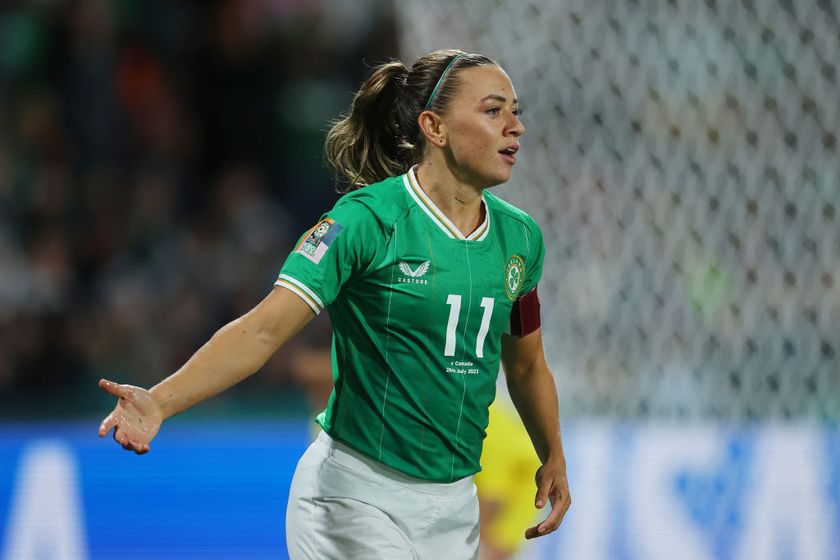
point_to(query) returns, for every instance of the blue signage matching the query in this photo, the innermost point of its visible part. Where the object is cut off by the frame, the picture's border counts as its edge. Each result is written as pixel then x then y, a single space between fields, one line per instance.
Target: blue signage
pixel 219 491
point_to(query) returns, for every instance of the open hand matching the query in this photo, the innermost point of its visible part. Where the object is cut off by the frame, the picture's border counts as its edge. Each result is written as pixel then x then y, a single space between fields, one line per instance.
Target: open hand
pixel 135 420
pixel 552 486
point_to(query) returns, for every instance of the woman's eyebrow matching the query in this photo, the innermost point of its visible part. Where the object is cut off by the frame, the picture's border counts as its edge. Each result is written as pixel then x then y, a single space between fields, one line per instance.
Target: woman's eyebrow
pixel 500 98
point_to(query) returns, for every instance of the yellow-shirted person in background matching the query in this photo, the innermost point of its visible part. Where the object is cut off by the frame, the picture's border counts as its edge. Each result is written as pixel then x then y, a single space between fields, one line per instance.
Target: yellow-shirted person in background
pixel 505 483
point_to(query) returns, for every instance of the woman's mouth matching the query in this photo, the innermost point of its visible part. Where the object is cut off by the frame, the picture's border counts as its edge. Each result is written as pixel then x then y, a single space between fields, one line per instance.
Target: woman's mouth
pixel 509 153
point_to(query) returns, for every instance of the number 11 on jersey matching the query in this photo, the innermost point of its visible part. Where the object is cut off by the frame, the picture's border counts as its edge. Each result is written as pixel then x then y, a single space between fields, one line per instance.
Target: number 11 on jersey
pixel 454 302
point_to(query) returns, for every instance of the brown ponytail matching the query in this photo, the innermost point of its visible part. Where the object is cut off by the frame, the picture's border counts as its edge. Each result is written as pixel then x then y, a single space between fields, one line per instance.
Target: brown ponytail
pixel 380 137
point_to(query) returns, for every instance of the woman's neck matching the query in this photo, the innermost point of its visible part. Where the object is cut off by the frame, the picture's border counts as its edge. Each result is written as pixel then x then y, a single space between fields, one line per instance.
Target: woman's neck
pixel 460 202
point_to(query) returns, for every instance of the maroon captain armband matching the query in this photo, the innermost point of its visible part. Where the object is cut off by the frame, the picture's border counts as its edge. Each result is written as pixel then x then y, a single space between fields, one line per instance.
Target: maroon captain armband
pixel 525 314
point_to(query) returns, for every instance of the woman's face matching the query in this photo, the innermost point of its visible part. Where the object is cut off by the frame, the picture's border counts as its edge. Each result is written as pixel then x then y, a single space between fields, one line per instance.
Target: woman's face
pixel 482 126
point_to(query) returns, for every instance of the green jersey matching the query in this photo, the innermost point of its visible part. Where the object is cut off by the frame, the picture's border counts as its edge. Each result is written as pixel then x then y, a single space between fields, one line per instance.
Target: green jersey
pixel 418 312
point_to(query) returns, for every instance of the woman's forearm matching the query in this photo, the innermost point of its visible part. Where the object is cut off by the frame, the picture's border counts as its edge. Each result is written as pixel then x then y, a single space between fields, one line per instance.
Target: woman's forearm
pixel 235 352
pixel 231 355
pixel 535 396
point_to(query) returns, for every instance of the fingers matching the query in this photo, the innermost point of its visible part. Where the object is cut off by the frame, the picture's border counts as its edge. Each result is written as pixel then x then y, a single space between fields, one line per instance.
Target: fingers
pixel 113 420
pixel 119 437
pixel 115 389
pixel 137 447
pixel 129 444
pixel 107 425
pixel 560 502
pixel 543 490
pixel 532 532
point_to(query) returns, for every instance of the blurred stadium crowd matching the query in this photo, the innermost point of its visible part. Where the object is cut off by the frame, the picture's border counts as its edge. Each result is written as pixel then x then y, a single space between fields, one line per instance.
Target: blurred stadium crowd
pixel 157 161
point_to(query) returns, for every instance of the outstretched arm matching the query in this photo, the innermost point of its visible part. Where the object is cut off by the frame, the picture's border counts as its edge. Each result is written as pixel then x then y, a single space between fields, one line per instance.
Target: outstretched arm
pixel 235 352
pixel 534 394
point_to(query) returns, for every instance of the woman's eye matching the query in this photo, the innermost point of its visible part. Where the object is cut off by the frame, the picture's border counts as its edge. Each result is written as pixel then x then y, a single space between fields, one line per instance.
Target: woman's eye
pixel 517 112
pixel 493 111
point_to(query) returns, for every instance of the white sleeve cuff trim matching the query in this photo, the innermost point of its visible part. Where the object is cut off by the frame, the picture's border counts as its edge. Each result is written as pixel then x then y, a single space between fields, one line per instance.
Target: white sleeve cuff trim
pixel 302 291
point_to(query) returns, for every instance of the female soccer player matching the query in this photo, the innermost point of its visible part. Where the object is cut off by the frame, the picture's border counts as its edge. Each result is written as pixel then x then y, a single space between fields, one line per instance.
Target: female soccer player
pixel 430 281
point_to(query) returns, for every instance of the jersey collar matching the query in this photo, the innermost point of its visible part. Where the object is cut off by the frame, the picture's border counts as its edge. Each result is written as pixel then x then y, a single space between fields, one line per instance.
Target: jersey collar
pixel 438 217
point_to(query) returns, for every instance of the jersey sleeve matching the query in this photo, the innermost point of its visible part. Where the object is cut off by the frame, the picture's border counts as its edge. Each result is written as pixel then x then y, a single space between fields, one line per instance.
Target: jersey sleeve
pixel 536 254
pixel 525 312
pixel 338 248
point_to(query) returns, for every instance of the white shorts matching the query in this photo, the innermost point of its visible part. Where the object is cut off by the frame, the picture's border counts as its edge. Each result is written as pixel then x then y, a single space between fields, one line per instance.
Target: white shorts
pixel 344 505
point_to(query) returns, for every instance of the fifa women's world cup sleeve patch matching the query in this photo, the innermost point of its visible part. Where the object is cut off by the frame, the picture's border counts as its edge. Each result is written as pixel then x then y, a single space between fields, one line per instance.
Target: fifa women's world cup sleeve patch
pixel 318 240
pixel 339 247
pixel 525 314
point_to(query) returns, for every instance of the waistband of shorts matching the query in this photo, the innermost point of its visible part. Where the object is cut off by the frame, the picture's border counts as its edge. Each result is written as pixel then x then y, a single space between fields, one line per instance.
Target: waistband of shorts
pixel 346 456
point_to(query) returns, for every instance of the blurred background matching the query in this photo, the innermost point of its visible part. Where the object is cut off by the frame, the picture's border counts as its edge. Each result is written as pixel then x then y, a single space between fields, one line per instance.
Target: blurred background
pixel 158 160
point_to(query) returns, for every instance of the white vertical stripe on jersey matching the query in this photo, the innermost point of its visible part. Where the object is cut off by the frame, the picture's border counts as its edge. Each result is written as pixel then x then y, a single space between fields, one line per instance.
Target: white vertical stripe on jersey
pixel 388 343
pixel 464 346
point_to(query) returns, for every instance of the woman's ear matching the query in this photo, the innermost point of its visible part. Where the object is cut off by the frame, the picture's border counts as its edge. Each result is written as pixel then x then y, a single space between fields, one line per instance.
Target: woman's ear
pixel 432 127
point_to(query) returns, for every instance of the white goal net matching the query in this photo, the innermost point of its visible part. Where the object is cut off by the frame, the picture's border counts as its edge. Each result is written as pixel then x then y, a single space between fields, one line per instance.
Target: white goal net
pixel 682 159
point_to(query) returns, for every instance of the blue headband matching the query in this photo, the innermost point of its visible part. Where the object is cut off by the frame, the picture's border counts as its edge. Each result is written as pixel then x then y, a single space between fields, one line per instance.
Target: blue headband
pixel 440 80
